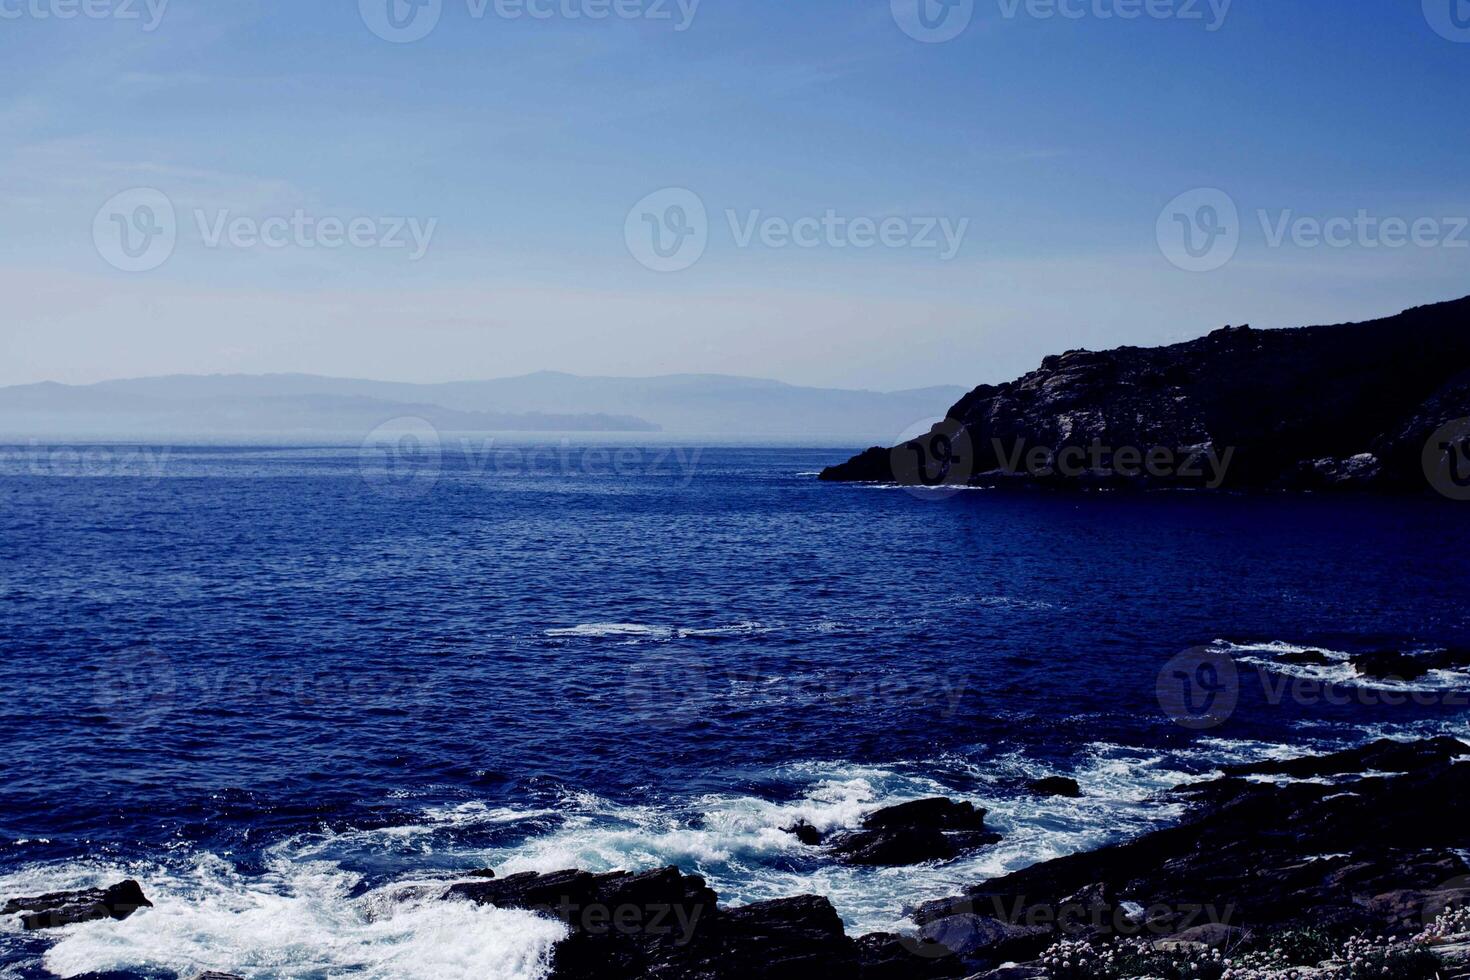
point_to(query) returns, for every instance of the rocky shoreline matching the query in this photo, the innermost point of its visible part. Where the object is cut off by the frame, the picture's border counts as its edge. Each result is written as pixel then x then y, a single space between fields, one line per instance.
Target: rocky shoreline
pixel 1382 405
pixel 1348 865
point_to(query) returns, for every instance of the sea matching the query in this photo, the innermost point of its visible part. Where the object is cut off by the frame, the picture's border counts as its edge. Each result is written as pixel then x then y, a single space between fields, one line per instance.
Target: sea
pixel 293 690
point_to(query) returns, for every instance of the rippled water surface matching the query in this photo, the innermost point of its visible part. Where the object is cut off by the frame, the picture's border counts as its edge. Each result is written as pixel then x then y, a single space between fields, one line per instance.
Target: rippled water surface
pixel 276 685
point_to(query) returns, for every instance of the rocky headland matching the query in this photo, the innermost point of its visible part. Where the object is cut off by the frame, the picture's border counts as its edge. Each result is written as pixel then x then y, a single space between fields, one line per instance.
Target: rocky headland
pixel 1370 405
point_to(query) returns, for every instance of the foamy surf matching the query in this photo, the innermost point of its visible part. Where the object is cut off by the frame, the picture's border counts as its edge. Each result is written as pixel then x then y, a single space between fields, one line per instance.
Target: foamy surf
pixel 739 844
pixel 300 920
pixel 1340 671
pixel 310 916
pixel 642 631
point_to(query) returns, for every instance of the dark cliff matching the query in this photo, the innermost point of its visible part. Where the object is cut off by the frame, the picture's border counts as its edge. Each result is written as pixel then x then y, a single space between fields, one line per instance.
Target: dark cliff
pixel 1346 405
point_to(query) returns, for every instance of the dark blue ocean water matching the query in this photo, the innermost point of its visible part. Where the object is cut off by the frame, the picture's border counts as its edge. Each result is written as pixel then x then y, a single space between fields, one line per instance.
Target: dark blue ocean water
pixel 275 684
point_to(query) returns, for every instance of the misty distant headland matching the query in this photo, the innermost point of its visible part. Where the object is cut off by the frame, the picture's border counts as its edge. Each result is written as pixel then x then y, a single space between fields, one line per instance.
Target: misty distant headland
pixel 301 406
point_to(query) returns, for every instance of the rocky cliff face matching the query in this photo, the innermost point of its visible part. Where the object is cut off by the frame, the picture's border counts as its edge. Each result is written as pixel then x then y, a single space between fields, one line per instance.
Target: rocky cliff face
pixel 1349 405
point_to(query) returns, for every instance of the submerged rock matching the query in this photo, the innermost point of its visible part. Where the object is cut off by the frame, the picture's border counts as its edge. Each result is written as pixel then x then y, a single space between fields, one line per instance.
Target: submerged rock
pixel 58 909
pixel 805 833
pixel 1450 658
pixel 1390 664
pixel 1055 786
pixel 1305 658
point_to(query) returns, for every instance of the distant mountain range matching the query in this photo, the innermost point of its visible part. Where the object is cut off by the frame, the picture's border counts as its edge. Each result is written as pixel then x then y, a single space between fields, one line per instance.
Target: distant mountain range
pixel 307 407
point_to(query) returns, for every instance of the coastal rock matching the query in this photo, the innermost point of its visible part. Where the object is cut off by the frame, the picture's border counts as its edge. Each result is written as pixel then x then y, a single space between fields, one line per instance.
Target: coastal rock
pixel 667 924
pixel 1305 658
pixel 1012 971
pixel 937 813
pixel 66 908
pixel 935 829
pixel 1379 846
pixel 1329 407
pixel 1393 817
pixel 1213 935
pixel 1450 658
pixel 805 833
pixel 1383 755
pixel 1055 786
pixel 888 848
pixel 1386 664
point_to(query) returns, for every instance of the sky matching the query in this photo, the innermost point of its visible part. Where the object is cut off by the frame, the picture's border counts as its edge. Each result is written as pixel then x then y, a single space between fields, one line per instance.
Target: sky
pixel 859 193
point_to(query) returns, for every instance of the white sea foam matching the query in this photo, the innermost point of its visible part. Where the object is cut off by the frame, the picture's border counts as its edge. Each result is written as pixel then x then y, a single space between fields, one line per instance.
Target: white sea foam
pixel 738 843
pixel 305 917
pixel 1340 672
pixel 644 631
pixel 299 919
pixel 613 629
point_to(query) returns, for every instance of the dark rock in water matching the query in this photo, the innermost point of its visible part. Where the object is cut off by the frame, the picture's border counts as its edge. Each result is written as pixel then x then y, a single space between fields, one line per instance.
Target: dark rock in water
pixel 1451 658
pixel 1329 407
pixel 1381 853
pixel 805 833
pixel 667 924
pixel 1343 857
pixel 937 814
pixel 66 908
pixel 1384 755
pixel 1055 786
pixel 1305 658
pixel 1385 664
pixel 212 975
pixel 481 873
pixel 906 845
pixel 922 830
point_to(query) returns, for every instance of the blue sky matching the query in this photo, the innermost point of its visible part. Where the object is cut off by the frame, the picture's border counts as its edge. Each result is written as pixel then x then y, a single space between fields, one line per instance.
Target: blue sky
pixel 522 143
